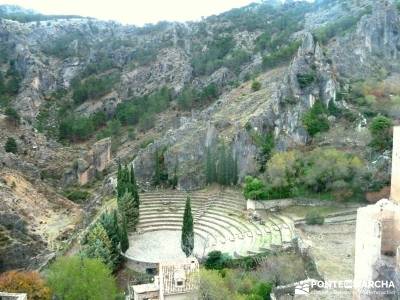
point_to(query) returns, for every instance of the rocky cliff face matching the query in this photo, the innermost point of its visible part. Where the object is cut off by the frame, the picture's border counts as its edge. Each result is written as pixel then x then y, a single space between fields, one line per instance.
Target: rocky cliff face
pixel 375 44
pixel 277 108
pixel 226 51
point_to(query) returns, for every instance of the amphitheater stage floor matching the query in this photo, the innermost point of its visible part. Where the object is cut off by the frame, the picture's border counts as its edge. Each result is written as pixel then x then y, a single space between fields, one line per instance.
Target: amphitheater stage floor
pixel 162 245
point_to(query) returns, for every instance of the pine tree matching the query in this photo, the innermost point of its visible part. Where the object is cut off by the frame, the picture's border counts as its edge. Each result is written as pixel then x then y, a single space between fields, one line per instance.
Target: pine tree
pixel 99 246
pixel 124 236
pixel 187 240
pixel 109 221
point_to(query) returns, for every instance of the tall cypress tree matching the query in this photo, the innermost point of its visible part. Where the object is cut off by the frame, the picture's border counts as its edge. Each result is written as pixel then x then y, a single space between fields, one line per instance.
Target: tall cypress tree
pixel 124 240
pixel 128 196
pixel 128 210
pixel 134 187
pixel 222 172
pixel 187 240
pixel 210 167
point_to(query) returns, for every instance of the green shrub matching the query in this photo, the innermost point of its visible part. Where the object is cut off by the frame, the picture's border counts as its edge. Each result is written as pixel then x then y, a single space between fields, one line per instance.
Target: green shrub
pixel 333 109
pixel 12 115
pixel 381 131
pixel 216 260
pixel 11 145
pixel 255 85
pixel 315 120
pixel 266 143
pixel 314 218
pixel 255 189
pixel 306 79
pixel 77 195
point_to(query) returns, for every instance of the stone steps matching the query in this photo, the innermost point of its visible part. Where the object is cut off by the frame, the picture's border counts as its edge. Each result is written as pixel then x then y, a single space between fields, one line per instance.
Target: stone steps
pixel 218 219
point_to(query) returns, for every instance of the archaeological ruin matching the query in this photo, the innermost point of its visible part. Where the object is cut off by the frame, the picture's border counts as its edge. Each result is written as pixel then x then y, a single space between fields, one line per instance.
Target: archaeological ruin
pixel 221 222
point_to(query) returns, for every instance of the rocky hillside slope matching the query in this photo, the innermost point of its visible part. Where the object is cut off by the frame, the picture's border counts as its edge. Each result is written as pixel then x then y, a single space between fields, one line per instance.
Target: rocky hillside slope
pixel 279 106
pixel 170 94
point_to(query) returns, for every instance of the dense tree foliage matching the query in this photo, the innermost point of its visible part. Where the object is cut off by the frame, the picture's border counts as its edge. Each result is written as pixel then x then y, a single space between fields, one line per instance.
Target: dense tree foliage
pixel 291 174
pixel 216 260
pixel 187 238
pixel 25 282
pixel 76 128
pixel 9 83
pixel 98 245
pixel 75 277
pixel 141 110
pixel 106 238
pixel 93 87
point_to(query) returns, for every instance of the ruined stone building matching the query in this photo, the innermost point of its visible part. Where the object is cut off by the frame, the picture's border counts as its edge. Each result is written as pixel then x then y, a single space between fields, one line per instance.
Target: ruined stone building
pixel 176 280
pixel 377 246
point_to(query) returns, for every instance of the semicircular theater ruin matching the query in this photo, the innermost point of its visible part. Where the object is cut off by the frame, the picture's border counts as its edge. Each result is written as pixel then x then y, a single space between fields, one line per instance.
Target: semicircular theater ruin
pixel 221 222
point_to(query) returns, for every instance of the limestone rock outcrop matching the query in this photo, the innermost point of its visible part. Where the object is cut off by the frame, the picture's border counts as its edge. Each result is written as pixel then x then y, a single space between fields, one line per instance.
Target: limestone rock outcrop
pixel 373 48
pixel 95 161
pixel 277 108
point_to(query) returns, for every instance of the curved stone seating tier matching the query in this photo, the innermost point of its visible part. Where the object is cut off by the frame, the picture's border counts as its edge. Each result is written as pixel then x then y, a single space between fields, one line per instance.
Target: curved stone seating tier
pixel 219 221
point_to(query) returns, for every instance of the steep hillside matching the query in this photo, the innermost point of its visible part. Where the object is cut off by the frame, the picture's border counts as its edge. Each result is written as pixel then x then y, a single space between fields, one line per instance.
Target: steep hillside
pixel 188 103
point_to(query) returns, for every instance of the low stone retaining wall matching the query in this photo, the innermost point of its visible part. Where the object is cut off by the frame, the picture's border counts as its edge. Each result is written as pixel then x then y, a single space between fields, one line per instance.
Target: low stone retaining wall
pixel 283 203
pixel 136 265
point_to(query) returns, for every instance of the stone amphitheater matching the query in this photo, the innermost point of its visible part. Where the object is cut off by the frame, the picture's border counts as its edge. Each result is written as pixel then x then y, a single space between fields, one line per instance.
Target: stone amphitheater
pixel 221 222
